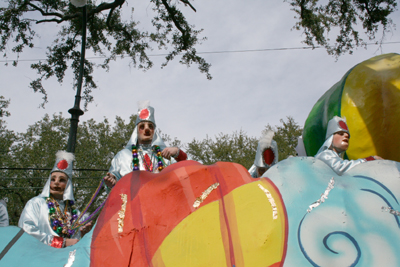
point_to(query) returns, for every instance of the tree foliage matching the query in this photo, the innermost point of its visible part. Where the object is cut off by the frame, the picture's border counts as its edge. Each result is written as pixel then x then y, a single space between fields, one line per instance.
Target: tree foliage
pixel 236 147
pixel 240 148
pixel 320 18
pixel 32 156
pixel 7 137
pixel 108 35
pixel 286 137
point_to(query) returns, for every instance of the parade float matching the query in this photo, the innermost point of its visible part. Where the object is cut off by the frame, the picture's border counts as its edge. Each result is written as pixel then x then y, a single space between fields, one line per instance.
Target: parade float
pixel 368 96
pixel 300 213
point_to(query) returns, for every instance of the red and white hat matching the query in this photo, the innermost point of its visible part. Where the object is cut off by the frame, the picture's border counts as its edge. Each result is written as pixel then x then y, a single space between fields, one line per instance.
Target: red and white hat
pixel 145 112
pixel 336 124
pixel 267 150
pixel 64 162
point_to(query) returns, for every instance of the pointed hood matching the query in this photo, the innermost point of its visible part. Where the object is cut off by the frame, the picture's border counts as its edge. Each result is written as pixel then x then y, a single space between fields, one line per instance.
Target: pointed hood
pixel 267 150
pixel 336 124
pixel 145 113
pixel 64 164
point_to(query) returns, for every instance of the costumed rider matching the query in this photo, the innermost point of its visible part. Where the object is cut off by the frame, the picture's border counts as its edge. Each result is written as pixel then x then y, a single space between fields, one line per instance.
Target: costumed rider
pixel 4 220
pixel 145 151
pixel 335 146
pixel 266 155
pixel 51 216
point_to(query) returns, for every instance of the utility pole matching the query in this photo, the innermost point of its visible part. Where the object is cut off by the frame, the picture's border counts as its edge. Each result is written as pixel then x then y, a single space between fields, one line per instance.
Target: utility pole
pixel 76 111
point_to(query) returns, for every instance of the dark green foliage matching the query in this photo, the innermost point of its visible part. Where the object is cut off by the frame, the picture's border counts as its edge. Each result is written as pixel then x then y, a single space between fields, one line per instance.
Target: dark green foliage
pixel 7 137
pixel 27 158
pixel 108 35
pixel 340 17
pixel 96 146
pixel 286 136
pixel 236 147
pixel 240 148
pixel 34 149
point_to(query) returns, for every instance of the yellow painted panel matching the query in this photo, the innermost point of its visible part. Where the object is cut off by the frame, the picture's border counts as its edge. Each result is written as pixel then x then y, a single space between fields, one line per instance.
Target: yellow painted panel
pixel 257 238
pixel 261 236
pixel 371 105
pixel 196 241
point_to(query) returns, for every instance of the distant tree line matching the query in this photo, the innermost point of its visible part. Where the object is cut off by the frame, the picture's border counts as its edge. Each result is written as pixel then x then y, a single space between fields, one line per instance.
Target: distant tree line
pixel 27 158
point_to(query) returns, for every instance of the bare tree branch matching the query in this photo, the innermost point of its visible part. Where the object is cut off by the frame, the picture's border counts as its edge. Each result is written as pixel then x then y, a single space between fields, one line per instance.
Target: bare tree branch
pixel 45 13
pixel 186 2
pixel 172 13
pixel 105 6
pixel 101 7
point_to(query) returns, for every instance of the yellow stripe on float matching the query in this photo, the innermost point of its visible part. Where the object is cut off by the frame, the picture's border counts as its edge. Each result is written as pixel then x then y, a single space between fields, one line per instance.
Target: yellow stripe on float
pixel 257 238
pixel 196 241
pixel 371 105
pixel 261 236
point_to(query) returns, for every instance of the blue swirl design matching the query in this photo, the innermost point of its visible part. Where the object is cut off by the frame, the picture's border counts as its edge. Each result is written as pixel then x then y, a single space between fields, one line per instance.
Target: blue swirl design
pixel 326 246
pixel 386 201
pixel 382 197
pixel 378 183
pixel 349 237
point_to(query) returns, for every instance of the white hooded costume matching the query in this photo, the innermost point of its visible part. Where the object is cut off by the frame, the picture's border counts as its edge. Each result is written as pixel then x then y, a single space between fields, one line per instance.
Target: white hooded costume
pixel 332 158
pixel 266 155
pixel 122 163
pixel 35 216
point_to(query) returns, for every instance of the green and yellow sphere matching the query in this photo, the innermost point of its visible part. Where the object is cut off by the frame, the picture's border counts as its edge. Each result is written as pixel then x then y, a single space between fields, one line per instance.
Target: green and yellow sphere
pixel 368 96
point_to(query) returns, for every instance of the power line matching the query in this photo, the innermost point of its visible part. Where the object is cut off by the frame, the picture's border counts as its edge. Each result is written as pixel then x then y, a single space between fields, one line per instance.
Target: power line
pixel 279 49
pixel 217 52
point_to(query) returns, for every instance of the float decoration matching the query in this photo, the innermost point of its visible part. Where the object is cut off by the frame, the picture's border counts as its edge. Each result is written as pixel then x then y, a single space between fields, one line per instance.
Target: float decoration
pixel 368 96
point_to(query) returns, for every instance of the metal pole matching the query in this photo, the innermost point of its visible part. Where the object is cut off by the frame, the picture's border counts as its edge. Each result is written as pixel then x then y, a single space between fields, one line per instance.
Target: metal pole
pixel 76 110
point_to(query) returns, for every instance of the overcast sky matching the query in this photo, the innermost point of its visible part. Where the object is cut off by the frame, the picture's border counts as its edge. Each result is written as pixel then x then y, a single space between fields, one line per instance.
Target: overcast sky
pixel 248 91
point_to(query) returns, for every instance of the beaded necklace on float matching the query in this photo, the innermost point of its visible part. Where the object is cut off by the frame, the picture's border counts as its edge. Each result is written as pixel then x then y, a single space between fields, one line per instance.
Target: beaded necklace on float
pixel 61 222
pixel 155 150
pixel 78 223
pixel 66 223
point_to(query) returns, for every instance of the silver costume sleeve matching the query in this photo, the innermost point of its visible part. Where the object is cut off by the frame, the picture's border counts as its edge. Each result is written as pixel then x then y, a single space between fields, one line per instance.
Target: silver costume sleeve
pixel 337 164
pixel 33 222
pixel 121 164
pixel 253 171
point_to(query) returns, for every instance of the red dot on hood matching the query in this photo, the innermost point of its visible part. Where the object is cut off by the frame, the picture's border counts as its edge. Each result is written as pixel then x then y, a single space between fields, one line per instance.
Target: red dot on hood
pixel 144 114
pixel 343 125
pixel 62 165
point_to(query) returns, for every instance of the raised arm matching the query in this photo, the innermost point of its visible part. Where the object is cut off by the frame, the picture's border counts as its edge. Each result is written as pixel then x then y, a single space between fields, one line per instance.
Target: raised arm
pixel 338 164
pixel 174 152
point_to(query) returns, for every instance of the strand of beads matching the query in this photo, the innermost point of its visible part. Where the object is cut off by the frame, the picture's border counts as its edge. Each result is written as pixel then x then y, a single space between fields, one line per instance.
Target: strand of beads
pixel 135 158
pixel 78 223
pixel 59 221
pixel 146 161
pixel 159 157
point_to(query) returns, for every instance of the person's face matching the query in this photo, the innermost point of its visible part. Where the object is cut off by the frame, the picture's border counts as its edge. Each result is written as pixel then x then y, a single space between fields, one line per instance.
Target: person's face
pixel 340 142
pixel 145 132
pixel 58 182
